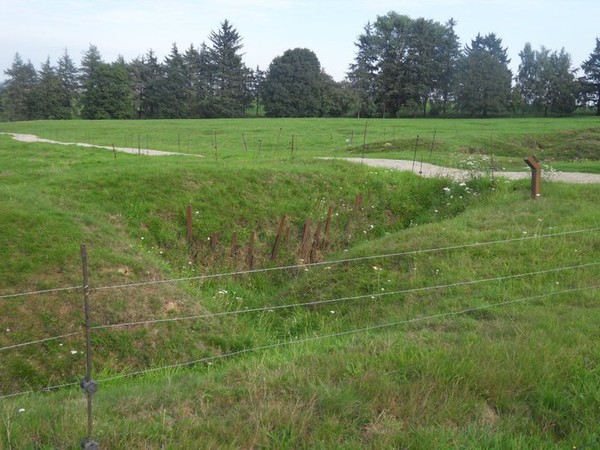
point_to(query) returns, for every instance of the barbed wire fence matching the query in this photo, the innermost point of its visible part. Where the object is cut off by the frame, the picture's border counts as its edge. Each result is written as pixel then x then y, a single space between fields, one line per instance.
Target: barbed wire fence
pixel 89 385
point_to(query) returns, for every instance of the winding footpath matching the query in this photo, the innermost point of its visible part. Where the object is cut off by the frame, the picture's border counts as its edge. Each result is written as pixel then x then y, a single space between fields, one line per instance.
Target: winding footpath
pixel 135 151
pixel 431 171
pixel 423 169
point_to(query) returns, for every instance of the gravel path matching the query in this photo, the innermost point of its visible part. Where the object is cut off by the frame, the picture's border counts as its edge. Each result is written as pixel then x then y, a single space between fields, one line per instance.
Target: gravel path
pixel 134 151
pixel 429 170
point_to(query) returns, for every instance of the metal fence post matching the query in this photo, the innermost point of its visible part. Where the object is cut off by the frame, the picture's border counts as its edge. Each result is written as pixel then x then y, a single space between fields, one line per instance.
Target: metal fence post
pixel 88 385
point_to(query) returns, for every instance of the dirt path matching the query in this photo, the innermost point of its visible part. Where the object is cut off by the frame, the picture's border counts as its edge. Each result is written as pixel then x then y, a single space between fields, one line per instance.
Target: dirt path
pixel 429 170
pixel 134 151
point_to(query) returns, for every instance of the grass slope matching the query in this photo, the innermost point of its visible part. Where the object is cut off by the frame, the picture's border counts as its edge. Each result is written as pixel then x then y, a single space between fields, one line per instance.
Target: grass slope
pixel 520 375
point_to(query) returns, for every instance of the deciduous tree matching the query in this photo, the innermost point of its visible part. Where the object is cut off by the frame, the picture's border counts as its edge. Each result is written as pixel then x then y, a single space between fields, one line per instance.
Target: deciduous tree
pixel 293 85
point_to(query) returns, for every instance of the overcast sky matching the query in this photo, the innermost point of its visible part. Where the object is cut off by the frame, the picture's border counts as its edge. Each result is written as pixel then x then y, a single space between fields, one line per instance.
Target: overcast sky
pixel 38 29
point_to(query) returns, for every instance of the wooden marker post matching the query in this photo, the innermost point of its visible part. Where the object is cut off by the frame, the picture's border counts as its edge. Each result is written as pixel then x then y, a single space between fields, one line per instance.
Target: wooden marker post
pixel 536 175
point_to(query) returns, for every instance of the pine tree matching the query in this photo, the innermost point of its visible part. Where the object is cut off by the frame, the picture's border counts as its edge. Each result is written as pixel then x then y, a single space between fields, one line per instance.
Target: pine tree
pixel 484 80
pixel 173 87
pixel 591 80
pixel 363 73
pixel 19 92
pixel 404 64
pixel 148 90
pixel 230 78
pixel 50 95
pixel 67 73
pixel 108 92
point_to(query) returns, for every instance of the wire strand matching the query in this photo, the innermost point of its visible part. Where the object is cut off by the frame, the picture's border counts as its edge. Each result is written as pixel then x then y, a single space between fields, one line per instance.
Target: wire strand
pixel 305 340
pixel 44 291
pixel 342 333
pixel 342 299
pixel 341 261
pixel 39 341
pixel 297 305
pixel 299 266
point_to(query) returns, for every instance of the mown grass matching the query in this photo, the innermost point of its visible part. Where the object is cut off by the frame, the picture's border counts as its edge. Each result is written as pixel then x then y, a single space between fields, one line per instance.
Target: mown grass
pixel 441 141
pixel 453 372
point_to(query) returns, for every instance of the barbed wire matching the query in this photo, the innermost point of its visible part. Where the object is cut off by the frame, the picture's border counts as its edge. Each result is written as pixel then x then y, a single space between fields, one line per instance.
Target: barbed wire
pixel 303 304
pixel 337 300
pixel 302 266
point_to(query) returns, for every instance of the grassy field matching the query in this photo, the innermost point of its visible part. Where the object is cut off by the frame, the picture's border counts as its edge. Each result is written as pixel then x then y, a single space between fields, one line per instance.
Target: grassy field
pixel 436 314
pixel 571 144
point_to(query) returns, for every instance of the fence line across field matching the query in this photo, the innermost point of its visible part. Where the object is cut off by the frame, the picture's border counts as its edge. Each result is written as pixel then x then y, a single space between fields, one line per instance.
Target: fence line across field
pixel 303 304
pixel 343 299
pixel 309 339
pixel 339 334
pixel 340 261
pixel 304 266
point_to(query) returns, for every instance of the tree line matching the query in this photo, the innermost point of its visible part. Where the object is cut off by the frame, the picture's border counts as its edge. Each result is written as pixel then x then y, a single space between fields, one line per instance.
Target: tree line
pixel 402 67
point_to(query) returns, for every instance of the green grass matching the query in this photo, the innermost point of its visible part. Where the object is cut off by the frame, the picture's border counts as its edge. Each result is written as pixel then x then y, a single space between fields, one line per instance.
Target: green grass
pixel 446 142
pixel 454 371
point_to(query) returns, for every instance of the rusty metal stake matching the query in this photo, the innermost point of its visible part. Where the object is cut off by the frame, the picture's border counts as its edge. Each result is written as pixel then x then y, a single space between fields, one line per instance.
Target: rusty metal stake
pixel 189 224
pixel 278 238
pixel 250 254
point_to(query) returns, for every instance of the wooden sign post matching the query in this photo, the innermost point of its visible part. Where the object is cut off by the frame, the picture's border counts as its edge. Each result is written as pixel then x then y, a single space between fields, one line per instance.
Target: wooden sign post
pixel 536 175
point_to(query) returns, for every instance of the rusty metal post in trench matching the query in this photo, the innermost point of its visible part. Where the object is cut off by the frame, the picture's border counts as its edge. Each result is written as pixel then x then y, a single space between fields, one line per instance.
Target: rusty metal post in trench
pixel 189 224
pixel 536 175
pixel 278 238
pixel 250 253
